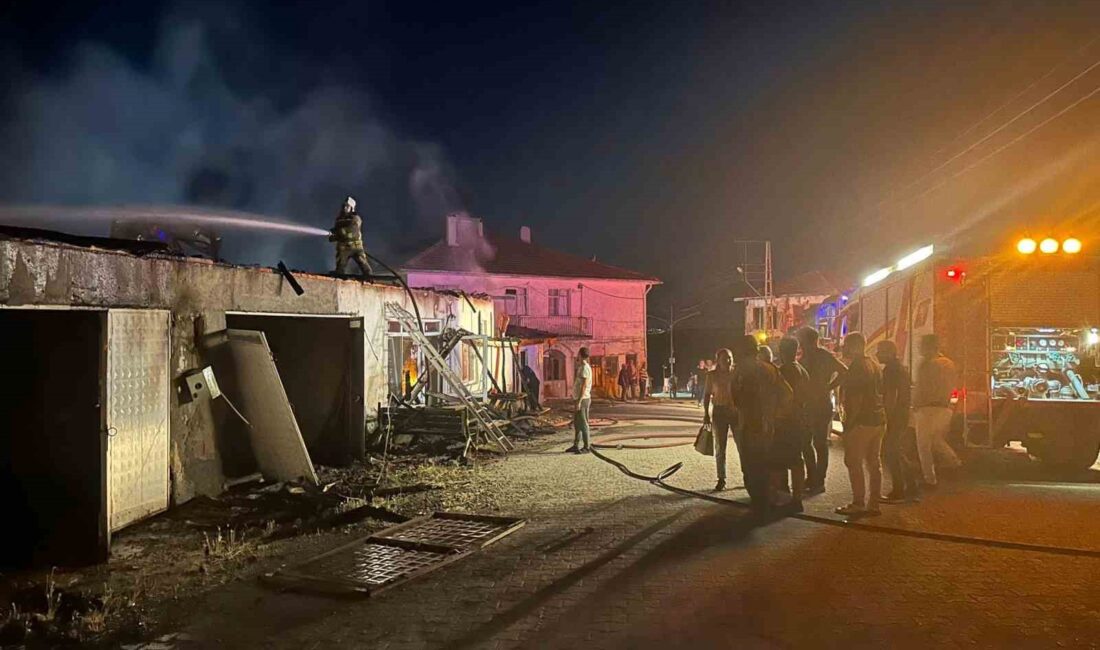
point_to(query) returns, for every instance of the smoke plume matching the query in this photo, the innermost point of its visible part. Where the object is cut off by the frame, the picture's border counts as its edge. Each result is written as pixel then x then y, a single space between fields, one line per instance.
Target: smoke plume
pixel 106 130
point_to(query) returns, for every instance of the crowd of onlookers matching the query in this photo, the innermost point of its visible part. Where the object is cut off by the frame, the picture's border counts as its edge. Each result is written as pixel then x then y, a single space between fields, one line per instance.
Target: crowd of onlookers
pixel 633 381
pixel 780 414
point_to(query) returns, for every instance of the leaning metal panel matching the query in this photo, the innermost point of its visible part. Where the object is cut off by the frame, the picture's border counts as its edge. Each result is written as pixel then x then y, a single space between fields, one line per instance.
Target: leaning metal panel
pixel 137 414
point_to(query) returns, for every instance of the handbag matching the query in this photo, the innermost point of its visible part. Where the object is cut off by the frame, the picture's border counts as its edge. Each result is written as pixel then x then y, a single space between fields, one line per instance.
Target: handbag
pixel 704 440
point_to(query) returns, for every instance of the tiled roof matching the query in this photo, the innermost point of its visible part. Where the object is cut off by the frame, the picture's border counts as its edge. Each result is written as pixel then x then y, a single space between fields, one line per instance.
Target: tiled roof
pixel 495 254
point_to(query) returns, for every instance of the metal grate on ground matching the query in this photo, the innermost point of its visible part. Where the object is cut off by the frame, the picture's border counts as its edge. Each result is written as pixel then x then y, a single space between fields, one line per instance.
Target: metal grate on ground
pixel 456 531
pixel 395 555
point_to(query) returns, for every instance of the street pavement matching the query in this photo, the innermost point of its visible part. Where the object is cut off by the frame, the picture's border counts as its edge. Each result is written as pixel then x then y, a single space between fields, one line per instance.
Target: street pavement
pixel 607 561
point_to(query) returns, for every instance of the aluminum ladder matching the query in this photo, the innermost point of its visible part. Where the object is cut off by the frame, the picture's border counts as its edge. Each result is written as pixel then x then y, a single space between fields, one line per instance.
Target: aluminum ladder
pixel 480 411
pixel 451 339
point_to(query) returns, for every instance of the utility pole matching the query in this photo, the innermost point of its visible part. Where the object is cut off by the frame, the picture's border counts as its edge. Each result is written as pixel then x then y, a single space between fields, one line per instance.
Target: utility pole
pixel 671 344
pixel 691 312
pixel 754 265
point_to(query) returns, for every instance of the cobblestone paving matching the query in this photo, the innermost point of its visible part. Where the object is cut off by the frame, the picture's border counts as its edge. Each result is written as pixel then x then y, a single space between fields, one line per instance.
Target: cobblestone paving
pixel 610 562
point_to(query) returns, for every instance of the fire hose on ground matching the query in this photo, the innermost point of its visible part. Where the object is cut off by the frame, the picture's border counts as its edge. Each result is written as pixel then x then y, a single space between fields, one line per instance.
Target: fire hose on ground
pixel 614 441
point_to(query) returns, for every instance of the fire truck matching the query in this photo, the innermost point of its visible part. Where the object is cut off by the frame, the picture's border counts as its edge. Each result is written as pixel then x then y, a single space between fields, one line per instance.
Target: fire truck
pixel 1021 327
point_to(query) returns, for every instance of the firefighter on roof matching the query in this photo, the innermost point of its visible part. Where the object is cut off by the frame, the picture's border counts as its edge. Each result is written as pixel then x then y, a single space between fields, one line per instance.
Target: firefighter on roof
pixel 348 235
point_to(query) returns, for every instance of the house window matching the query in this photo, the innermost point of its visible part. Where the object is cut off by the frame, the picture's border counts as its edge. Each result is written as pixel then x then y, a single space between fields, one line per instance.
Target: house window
pixel 611 366
pixel 553 366
pixel 431 327
pixel 469 365
pixel 559 302
pixel 597 371
pixel 758 317
pixel 513 302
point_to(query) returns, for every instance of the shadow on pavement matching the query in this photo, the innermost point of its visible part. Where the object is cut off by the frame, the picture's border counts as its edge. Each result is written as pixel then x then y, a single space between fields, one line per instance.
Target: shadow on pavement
pixel 540 597
pixel 1016 465
pixel 715 530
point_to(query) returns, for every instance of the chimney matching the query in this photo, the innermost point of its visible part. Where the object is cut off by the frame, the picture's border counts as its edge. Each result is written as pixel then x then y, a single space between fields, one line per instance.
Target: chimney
pixel 463 230
pixel 525 234
pixel 452 230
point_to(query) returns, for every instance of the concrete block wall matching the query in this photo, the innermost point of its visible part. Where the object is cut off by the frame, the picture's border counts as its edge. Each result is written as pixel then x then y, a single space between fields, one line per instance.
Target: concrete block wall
pixel 198 293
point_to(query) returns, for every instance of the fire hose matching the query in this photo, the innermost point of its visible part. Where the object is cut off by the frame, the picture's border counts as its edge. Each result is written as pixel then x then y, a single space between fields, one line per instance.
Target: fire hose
pixel 659 480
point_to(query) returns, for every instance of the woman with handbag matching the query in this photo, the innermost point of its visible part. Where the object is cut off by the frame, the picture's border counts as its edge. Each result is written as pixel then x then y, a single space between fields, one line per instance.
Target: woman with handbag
pixel 718 393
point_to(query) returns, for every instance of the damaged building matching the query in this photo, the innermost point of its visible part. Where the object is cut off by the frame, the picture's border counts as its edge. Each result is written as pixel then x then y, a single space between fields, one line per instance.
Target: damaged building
pixel 553 302
pixel 141 379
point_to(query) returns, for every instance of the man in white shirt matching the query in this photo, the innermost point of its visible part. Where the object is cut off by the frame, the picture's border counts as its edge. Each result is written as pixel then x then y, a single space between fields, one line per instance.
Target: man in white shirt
pixel 582 397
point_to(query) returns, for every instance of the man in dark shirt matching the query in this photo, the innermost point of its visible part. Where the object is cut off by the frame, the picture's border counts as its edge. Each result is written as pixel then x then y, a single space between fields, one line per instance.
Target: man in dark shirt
pixel 824 370
pixel 864 425
pixel 904 477
pixel 758 394
pixel 531 388
pixel 792 434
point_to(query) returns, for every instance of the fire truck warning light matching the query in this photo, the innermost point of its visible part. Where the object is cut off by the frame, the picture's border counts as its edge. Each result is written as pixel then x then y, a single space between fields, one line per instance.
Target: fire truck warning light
pixel 1049 246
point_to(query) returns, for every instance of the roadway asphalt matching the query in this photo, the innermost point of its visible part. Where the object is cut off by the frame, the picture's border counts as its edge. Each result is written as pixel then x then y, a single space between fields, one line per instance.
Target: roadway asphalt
pixel 611 562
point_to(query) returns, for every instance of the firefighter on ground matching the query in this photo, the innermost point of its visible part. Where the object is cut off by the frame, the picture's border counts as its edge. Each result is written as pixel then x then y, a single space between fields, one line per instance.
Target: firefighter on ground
pixel 348 235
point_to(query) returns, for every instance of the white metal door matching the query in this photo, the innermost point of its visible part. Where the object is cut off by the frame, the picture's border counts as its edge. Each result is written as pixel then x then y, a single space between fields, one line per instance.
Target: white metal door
pixel 137 414
pixel 276 439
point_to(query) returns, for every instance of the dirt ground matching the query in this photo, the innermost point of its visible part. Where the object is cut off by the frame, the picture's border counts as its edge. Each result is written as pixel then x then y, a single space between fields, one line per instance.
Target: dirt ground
pixel 188 578
pixel 161 567
pixel 607 561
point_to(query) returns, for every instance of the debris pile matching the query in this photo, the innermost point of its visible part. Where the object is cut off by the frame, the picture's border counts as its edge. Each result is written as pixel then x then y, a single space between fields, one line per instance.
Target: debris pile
pixel 445 432
pixel 47 614
pixel 271 511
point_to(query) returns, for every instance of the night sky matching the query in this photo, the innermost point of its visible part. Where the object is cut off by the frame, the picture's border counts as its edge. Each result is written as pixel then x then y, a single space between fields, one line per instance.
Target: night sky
pixel 651 135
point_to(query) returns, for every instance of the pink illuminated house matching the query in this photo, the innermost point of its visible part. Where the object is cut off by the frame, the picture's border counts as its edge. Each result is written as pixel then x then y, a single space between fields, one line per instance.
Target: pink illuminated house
pixel 552 302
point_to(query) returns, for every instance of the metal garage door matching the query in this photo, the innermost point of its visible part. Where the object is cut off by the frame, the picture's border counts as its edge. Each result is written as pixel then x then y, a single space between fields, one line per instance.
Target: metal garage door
pixel 137 414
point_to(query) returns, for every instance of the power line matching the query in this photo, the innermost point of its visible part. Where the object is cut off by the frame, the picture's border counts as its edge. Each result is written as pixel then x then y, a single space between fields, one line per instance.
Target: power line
pixel 1008 144
pixel 986 157
pixel 1018 95
pixel 993 132
pixel 611 295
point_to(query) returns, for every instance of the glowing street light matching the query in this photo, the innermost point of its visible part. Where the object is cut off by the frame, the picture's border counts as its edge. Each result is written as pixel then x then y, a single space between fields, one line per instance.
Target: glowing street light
pixel 1049 245
pixel 1026 245
pixel 1071 246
